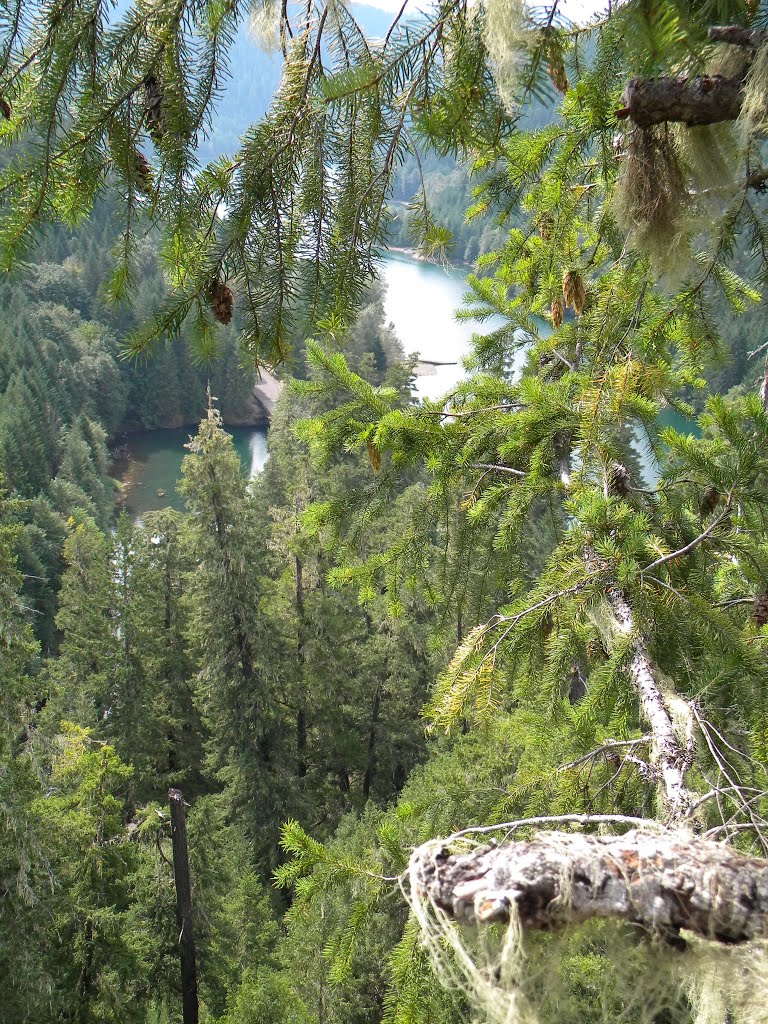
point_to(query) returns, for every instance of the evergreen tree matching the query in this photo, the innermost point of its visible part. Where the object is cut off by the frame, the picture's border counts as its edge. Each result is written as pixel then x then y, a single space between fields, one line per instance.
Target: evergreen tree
pixel 642 628
pixel 226 633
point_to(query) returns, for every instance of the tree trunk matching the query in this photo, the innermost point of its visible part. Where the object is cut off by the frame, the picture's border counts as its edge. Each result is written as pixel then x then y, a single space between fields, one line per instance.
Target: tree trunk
pixel 668 755
pixel 184 908
pixel 663 882
pixel 301 714
pixel 370 763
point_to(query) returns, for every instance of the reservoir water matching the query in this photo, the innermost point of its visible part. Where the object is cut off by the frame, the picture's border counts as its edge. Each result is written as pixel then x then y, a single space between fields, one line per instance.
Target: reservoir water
pixel 420 301
pixel 155 465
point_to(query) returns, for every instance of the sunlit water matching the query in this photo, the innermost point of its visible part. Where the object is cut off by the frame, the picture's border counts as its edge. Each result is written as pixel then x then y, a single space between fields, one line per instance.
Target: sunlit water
pixel 420 301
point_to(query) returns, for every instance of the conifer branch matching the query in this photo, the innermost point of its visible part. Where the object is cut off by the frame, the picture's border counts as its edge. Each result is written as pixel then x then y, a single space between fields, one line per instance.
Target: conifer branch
pixel 681 552
pixel 704 99
pixel 605 748
pixel 668 754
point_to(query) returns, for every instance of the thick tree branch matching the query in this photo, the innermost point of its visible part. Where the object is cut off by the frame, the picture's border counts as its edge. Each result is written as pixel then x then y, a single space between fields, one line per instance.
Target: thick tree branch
pixel 663 882
pixel 738 36
pixel 705 99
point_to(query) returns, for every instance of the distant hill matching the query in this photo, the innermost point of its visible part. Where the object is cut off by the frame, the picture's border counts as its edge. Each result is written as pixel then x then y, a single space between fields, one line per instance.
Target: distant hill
pixel 254 76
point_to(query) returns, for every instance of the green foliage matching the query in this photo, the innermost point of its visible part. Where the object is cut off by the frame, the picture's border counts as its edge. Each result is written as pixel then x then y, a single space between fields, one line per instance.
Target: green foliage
pixel 505 523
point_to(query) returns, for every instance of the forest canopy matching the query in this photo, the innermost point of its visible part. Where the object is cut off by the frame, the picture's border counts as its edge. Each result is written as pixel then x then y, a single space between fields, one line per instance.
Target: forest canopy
pixel 587 644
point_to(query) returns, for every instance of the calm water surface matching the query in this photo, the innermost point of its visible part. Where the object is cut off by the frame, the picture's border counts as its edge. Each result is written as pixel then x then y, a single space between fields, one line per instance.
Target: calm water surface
pixel 420 301
pixel 155 465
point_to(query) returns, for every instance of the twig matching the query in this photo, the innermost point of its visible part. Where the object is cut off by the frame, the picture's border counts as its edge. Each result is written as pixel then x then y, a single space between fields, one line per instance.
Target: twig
pixel 498 469
pixel 688 547
pixel 608 745
pixel 556 819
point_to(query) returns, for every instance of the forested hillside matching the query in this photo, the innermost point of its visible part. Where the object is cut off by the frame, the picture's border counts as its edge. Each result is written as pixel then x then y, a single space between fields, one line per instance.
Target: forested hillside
pixel 450 713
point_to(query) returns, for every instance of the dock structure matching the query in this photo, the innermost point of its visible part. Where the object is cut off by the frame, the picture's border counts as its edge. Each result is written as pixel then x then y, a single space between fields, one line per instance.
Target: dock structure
pixel 267 391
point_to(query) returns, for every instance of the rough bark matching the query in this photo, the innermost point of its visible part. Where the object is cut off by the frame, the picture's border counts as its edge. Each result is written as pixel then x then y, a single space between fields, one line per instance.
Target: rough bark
pixel 705 99
pixel 663 882
pixel 750 38
pixel 184 908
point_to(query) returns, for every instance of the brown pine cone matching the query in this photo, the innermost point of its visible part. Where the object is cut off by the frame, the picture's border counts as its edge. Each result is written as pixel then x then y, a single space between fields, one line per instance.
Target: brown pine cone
pixel 153 103
pixel 556 70
pixel 709 500
pixel 569 288
pixel 557 313
pixel 618 482
pixel 144 173
pixel 580 296
pixel 760 609
pixel 221 301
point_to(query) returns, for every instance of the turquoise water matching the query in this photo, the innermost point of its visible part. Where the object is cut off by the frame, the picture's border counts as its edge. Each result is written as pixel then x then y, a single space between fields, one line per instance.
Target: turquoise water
pixel 645 452
pixel 155 465
pixel 420 301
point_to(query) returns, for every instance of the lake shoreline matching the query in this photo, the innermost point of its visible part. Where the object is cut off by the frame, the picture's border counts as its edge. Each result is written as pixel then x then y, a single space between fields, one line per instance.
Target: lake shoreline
pixel 414 254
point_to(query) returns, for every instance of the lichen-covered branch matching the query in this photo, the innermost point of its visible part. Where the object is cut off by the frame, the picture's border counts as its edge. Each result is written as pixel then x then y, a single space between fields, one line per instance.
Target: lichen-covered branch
pixel 668 754
pixel 664 882
pixel 703 99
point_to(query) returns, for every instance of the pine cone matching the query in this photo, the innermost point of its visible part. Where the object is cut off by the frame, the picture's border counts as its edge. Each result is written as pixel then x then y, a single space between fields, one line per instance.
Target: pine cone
pixel 580 297
pixel 618 482
pixel 709 500
pixel 760 609
pixel 153 103
pixel 144 173
pixel 557 313
pixel 5 108
pixel 569 288
pixel 221 300
pixel 374 456
pixel 556 70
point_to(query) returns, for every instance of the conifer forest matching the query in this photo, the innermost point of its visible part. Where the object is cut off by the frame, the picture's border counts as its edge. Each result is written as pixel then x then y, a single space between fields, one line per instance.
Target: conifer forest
pixel 457 709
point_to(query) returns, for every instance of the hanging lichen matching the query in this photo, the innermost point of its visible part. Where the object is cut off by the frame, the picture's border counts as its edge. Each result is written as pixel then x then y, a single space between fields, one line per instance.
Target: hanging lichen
pixel 599 970
pixel 753 119
pixel 264 26
pixel 504 34
pixel 709 159
pixel 652 205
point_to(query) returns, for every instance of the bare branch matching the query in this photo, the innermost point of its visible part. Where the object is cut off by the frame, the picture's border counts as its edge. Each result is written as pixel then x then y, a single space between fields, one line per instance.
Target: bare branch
pixel 668 754
pixel 606 747
pixel 688 547
pixel 498 469
pixel 735 35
